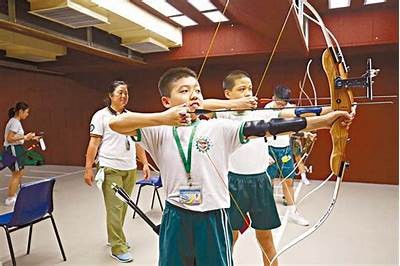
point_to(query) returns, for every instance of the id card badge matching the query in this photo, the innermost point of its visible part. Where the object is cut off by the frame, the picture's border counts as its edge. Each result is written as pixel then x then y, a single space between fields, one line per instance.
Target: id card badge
pixel 190 195
pixel 286 158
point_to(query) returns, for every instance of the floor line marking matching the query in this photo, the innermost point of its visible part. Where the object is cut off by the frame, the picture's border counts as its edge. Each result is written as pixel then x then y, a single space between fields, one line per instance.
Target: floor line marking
pixel 43 171
pixel 29 176
pixel 71 173
pixel 34 177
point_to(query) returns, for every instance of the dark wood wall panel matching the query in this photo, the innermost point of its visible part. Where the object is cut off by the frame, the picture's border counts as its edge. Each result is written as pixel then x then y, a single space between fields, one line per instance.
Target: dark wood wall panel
pixel 62 106
pixel 372 150
pixel 59 106
pixel 366 27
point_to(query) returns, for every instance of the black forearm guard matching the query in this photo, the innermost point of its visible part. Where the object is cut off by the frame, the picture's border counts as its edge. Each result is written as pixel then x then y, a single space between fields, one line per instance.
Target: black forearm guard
pixel 275 126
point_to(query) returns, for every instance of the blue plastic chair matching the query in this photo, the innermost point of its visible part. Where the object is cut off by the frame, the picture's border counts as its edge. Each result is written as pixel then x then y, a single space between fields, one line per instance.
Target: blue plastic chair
pixel 154 181
pixel 34 204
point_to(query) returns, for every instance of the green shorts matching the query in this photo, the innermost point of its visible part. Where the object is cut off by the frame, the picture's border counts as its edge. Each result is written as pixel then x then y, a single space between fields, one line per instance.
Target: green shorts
pixel 18 151
pixel 284 165
pixel 253 194
pixel 195 238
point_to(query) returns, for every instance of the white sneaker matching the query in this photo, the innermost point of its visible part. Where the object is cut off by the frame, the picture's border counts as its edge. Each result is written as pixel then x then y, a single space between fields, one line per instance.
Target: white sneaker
pixel 10 201
pixel 304 179
pixel 296 218
pixel 124 257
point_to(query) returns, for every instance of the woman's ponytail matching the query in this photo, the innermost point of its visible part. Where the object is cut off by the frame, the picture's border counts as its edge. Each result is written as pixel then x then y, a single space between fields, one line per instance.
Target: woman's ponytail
pixel 11 112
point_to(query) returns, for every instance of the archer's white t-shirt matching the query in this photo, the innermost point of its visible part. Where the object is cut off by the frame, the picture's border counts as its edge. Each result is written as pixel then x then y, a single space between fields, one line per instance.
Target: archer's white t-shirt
pixel 278 141
pixel 250 158
pixel 214 141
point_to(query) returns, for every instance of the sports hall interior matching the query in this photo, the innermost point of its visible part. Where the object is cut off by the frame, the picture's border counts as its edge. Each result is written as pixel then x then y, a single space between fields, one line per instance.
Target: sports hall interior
pixel 59 56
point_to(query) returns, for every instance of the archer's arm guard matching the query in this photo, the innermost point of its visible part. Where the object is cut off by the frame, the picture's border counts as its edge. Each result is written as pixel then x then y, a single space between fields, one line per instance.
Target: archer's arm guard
pixel 307 110
pixel 275 126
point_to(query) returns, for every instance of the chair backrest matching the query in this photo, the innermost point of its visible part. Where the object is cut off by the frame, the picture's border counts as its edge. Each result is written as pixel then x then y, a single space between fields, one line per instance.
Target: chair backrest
pixel 34 201
pixel 158 183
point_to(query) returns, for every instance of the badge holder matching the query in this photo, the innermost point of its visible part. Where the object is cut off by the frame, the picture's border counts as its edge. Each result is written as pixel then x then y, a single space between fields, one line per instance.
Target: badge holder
pixel 190 194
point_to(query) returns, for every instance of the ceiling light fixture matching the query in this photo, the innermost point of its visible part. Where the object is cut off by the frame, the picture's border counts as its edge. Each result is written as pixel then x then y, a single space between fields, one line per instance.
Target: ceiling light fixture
pixel 163 7
pixel 370 2
pixel 184 21
pixel 215 16
pixel 338 3
pixel 202 5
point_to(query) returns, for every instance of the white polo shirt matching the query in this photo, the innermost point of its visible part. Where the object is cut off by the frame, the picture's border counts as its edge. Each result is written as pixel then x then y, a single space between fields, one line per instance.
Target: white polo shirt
pixel 116 150
pixel 250 158
pixel 278 141
pixel 214 141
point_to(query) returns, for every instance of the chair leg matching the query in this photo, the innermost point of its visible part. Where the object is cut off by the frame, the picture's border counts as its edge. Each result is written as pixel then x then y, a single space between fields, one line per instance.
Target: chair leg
pixel 159 199
pixel 137 201
pixel 152 200
pixel 29 239
pixel 58 237
pixel 10 246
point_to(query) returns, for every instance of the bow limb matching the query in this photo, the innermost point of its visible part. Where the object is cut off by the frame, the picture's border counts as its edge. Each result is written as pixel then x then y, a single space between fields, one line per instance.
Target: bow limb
pixel 320 185
pixel 301 86
pixel 340 100
pixel 320 221
pixel 312 85
pixel 315 189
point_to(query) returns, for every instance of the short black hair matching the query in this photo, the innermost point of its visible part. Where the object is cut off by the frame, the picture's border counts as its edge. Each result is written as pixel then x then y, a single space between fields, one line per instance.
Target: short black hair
pixel 114 84
pixel 283 93
pixel 229 81
pixel 172 75
pixel 110 89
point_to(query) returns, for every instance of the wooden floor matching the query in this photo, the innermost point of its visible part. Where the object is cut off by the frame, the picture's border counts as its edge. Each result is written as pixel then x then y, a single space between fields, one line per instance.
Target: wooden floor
pixel 362 230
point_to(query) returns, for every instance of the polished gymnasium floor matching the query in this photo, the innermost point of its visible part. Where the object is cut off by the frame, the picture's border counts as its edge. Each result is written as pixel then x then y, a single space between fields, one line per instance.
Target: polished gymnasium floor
pixel 362 230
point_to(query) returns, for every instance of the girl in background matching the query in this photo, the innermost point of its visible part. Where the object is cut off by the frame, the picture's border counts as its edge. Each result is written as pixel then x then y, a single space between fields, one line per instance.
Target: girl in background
pixel 14 138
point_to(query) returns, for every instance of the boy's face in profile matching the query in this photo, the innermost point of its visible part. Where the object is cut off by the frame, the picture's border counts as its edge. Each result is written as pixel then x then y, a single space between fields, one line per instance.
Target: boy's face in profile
pixel 242 88
pixel 185 90
pixel 279 103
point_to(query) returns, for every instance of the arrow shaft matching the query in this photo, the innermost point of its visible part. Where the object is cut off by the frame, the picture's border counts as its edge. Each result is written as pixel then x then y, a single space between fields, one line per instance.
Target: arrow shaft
pixel 328 98
pixel 206 111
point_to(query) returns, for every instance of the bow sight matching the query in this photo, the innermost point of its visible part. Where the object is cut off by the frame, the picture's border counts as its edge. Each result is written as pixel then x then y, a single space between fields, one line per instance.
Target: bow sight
pixel 365 81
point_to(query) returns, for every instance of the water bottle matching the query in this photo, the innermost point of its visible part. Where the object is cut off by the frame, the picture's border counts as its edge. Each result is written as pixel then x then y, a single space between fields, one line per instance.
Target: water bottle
pixel 42 144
